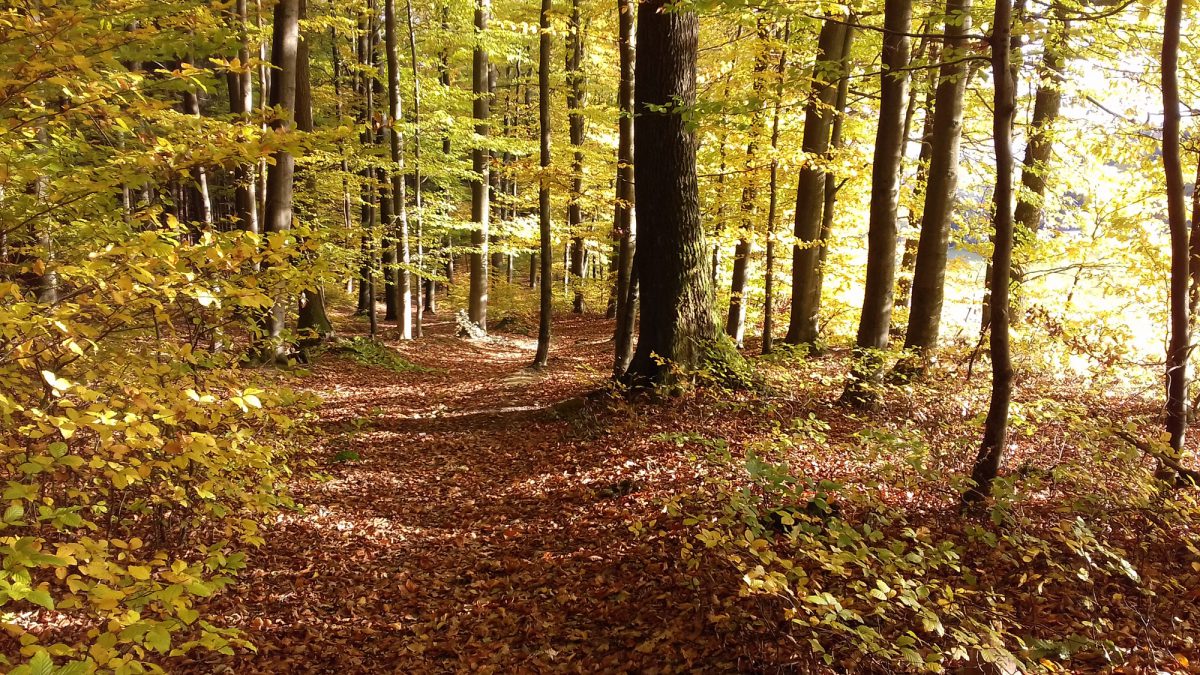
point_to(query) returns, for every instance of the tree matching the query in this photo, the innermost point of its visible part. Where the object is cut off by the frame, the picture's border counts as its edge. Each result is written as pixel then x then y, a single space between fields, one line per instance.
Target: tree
pixel 477 311
pixel 929 274
pixel 575 103
pixel 875 322
pixel 546 244
pixel 277 216
pixel 810 190
pixel 1179 334
pixel 313 321
pixel 677 303
pixel 768 337
pixel 995 426
pixel 403 300
pixel 735 322
pixel 625 286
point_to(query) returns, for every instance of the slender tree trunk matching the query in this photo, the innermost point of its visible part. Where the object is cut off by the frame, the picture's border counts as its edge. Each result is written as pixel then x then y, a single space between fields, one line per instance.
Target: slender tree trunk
pixel 313 323
pixel 241 102
pixel 623 220
pixel 803 324
pixel 908 260
pixel 735 322
pixel 677 305
pixel 1178 346
pixel 399 198
pixel 477 310
pixel 364 42
pixel 418 327
pixel 575 103
pixel 768 335
pixel 1038 151
pixel 929 274
pixel 875 323
pixel 995 426
pixel 546 295
pixel 199 200
pixel 278 213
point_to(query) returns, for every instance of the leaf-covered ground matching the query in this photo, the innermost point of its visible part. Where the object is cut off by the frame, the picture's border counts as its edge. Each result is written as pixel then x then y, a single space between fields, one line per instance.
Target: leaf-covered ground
pixel 458 516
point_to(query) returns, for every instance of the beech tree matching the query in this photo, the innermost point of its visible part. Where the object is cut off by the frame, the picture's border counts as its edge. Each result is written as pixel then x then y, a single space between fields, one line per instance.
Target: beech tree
pixel 875 323
pixel 478 303
pixel 676 291
pixel 995 426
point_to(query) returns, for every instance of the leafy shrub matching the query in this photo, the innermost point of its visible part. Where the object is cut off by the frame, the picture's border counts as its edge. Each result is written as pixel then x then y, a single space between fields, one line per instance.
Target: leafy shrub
pixel 370 352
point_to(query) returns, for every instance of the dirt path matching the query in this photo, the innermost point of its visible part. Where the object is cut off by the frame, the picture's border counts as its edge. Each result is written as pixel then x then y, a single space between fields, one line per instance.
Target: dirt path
pixel 477 532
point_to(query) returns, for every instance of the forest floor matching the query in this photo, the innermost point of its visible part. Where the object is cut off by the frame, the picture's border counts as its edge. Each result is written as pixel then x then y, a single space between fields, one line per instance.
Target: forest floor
pixel 456 517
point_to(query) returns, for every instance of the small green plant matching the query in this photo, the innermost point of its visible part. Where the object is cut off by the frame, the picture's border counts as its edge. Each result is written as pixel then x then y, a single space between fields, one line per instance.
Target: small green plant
pixel 344 456
pixel 373 353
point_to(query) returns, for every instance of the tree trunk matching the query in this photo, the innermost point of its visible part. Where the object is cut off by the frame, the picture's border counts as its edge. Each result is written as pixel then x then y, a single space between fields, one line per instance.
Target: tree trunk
pixel 768 337
pixel 908 260
pixel 995 427
pixel 677 304
pixel 875 323
pixel 1039 150
pixel 199 200
pixel 278 213
pixel 735 322
pixel 1178 347
pixel 313 323
pixel 623 223
pixel 575 102
pixel 399 200
pixel 241 103
pixel 546 294
pixel 929 274
pixel 477 306
pixel 366 298
pixel 418 327
pixel 803 325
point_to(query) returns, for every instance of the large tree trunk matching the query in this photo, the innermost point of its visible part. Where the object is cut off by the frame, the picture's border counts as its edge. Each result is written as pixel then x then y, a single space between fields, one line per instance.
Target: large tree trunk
pixel 399 200
pixel 1178 347
pixel 929 275
pixel 677 304
pixel 369 216
pixel 995 426
pixel 803 327
pixel 278 213
pixel 477 305
pixel 546 295
pixel 875 323
pixel 623 222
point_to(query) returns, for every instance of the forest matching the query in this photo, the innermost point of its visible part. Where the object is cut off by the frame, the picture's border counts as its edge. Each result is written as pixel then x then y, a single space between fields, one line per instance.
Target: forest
pixel 655 336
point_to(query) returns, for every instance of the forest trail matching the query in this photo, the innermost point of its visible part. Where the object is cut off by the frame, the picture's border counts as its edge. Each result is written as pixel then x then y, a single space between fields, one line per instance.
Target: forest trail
pixel 477 529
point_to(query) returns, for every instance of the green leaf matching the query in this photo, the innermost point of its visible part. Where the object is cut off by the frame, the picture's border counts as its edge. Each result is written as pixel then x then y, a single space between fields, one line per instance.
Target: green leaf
pixel 42 598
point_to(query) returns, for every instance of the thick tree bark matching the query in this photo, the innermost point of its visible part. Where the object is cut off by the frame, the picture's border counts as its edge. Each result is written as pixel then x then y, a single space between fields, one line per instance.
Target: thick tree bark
pixel 803 327
pixel 399 198
pixel 929 274
pixel 995 426
pixel 477 306
pixel 623 222
pixel 677 304
pixel 546 294
pixel 768 337
pixel 1178 346
pixel 277 216
pixel 875 322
